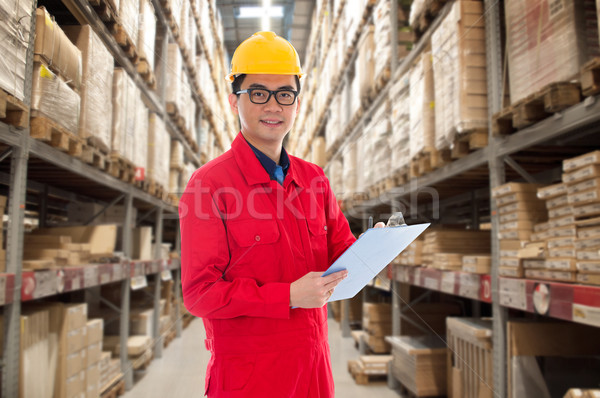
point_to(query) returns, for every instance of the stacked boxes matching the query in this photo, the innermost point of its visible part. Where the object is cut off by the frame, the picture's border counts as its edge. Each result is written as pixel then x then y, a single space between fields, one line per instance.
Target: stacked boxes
pixel 383 32
pixel 377 322
pixel 37 370
pixel 176 166
pixel 129 11
pixel 379 131
pixel 126 96
pixel 422 115
pixel 399 98
pixel 444 249
pixel 94 334
pixel 147 32
pixel 547 42
pixel 96 89
pixel 14 29
pixel 582 178
pixel 519 210
pixel 459 72
pixel 481 264
pixel 159 148
pixel 413 254
pixel 175 77
pixel 140 135
pixel 109 369
pixel 58 249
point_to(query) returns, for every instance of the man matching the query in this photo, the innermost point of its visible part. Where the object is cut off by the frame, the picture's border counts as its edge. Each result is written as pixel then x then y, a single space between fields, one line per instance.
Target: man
pixel 258 228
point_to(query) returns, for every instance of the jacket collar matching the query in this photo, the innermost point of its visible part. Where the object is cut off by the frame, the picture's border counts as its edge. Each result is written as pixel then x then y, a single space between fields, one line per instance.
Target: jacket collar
pixel 250 166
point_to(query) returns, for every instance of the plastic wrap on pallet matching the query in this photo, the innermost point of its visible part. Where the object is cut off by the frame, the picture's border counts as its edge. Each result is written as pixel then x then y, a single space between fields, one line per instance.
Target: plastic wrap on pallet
pixel 459 73
pixel 95 119
pixel 192 32
pixel 380 132
pixel 186 174
pixel 147 32
pixel 56 50
pixel 333 130
pixel 399 98
pixel 159 149
pixel 318 151
pixel 15 25
pixel 365 62
pixel 355 102
pixel 416 9
pixel 547 41
pixel 176 154
pixel 175 76
pixel 422 106
pixel 125 92
pixel 174 181
pixel 383 44
pixel 349 169
pixel 140 152
pixel 129 11
pixel 335 177
pixel 54 98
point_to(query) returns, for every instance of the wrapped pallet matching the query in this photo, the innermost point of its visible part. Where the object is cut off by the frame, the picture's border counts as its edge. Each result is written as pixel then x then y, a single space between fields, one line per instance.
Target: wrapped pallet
pixel 382 53
pixel 177 159
pixel 332 129
pixel 422 116
pixel 459 72
pixel 547 42
pixel 125 100
pixel 175 78
pixel 192 32
pixel 53 48
pixel 54 99
pixel 417 8
pixel 365 62
pixel 140 136
pixel 349 169
pixel 399 142
pixel 319 156
pixel 183 21
pixel 147 32
pixel 159 148
pixel 129 11
pixel 15 26
pixel 96 88
pixel 36 378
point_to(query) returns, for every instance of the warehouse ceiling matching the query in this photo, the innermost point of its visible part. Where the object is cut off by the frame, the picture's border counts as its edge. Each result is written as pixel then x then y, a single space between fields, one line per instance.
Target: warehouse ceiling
pixel 293 24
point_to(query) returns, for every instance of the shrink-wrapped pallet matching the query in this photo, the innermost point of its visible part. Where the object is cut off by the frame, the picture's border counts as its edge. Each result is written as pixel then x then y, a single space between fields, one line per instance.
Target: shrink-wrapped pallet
pixel 547 41
pixel 159 148
pixel 140 152
pixel 175 77
pixel 125 95
pixel 422 116
pixel 54 49
pixel 15 25
pixel 335 176
pixel 192 32
pixel 383 32
pixel 459 72
pixel 129 11
pixel 96 88
pixel 417 8
pixel 54 99
pixel 400 147
pixel 380 131
pixel 147 32
pixel 333 129
pixel 349 169
pixel 176 155
pixel 365 63
pixel 319 156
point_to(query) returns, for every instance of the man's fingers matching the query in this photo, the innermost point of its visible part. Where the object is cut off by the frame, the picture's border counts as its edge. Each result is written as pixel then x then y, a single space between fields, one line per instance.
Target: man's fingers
pixel 379 225
pixel 336 276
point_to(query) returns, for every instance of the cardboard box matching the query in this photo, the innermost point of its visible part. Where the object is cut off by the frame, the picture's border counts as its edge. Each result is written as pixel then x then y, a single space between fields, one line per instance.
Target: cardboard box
pixel 587 244
pixel 585 173
pixel 516 225
pixel 142 243
pixel 562 221
pixel 75 363
pixel 534 263
pixel 141 323
pixel 558 201
pixel 568 252
pixel 514 187
pixel 101 238
pixel 511 272
pixel 563 276
pixel 584 185
pixel 534 217
pixel 565 264
pixel 590 255
pixel 532 206
pixel 92 378
pixel 515 235
pixel 560 212
pixel 94 352
pixel 510 262
pixel 581 161
pixel 592 279
pixel 74 385
pixel 73 341
pixel 586 210
pixel 585 197
pixel 552 191
pixel 94 331
pixel 56 50
pixel 554 243
pixel 516 197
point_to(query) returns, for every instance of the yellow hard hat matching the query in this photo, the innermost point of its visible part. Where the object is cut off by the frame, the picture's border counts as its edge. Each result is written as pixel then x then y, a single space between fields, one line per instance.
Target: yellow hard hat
pixel 265 53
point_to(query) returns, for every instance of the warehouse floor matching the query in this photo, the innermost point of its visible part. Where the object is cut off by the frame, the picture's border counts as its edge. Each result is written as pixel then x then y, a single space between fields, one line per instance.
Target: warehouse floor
pixel 180 372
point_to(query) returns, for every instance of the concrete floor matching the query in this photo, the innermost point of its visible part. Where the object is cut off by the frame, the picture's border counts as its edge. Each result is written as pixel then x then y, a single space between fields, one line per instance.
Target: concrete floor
pixel 180 372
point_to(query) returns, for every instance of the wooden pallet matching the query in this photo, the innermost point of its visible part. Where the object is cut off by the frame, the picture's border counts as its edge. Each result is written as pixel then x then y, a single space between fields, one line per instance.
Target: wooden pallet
pixel 168 338
pixel 590 78
pixel 143 361
pixel 463 144
pixel 179 121
pixel 362 378
pixel 105 9
pixel 422 163
pixel 186 320
pixel 114 389
pixel 46 130
pixel 121 168
pixel 94 157
pixel 430 11
pixel 551 99
pixel 125 42
pixel 13 111
pixel 143 68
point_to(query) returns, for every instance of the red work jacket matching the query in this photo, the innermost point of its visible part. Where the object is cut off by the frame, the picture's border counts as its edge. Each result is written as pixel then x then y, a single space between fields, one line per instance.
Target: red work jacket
pixel 244 240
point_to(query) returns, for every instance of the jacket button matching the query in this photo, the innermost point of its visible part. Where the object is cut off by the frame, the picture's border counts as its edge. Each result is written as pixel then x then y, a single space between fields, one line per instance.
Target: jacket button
pixel 257 238
pixel 325 227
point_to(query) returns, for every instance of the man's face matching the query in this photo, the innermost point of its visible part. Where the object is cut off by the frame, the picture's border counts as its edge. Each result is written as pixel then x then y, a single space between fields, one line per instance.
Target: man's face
pixel 265 123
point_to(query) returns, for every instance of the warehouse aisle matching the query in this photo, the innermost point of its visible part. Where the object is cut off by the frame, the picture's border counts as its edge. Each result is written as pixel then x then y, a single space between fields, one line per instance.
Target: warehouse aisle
pixel 180 372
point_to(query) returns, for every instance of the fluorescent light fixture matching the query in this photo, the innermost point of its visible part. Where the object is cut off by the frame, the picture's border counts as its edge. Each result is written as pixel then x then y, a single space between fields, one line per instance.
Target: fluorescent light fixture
pixel 266 19
pixel 258 12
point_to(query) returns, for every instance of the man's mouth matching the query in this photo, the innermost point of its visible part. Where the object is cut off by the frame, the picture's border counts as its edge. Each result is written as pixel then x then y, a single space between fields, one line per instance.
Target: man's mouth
pixel 271 123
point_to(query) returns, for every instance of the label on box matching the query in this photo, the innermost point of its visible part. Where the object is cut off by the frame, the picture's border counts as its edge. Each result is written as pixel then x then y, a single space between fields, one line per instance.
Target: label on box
pixel 551 191
pixel 586 314
pixel 588 255
pixel 584 186
pixel 588 266
pixel 139 282
pixel 513 293
pixel 90 276
pixel 581 244
pixel 581 161
pixel 166 275
pixel 448 279
pixel 557 202
pixel 431 283
pixel 469 286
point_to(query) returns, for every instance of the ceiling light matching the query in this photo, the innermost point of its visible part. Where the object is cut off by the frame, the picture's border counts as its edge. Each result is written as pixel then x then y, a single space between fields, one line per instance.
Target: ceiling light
pixel 258 12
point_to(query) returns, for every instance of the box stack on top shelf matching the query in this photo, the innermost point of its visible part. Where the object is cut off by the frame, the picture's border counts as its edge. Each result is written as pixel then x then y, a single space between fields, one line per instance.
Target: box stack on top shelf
pixel 146 42
pixel 519 210
pixel 444 248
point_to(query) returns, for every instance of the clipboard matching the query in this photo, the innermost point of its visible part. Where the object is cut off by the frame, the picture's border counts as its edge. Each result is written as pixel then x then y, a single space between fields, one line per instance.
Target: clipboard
pixel 370 254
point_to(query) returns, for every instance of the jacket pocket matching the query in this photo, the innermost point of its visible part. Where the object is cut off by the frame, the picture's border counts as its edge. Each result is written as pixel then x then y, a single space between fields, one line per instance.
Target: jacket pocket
pixel 247 233
pixel 237 371
pixel 317 226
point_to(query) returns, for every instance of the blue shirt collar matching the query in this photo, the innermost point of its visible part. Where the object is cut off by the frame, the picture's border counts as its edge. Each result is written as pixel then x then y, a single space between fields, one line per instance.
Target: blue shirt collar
pixel 268 164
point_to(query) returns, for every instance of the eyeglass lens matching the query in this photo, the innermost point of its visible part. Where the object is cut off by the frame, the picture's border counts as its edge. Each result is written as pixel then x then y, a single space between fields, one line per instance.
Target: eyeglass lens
pixel 284 97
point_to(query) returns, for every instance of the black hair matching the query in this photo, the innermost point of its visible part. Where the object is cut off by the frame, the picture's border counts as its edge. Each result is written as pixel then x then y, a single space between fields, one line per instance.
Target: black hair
pixel 239 79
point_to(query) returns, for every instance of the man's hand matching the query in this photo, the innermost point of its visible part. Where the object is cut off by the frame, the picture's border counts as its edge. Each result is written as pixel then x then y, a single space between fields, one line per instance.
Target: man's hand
pixel 313 290
pixel 378 225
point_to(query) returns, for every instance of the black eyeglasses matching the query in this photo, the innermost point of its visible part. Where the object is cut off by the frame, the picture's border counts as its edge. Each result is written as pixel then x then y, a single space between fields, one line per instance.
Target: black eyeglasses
pixel 262 96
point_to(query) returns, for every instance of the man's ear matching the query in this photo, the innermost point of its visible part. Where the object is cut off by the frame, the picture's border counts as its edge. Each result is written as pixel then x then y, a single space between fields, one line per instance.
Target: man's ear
pixel 233 103
pixel 298 105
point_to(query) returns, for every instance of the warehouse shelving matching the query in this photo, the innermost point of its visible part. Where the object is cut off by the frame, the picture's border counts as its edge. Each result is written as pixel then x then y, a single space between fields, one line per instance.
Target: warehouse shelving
pixel 531 155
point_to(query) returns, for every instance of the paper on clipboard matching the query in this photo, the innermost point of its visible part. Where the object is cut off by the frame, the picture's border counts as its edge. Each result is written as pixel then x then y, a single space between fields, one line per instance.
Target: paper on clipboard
pixel 370 254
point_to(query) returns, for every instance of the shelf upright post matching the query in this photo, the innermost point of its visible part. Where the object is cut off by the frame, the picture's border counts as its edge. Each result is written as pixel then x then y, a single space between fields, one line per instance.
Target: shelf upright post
pixel 11 358
pixel 177 293
pixel 158 338
pixel 497 177
pixel 126 366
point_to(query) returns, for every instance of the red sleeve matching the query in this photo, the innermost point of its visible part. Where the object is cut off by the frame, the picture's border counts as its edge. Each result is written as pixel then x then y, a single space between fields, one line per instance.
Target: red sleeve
pixel 205 258
pixel 339 237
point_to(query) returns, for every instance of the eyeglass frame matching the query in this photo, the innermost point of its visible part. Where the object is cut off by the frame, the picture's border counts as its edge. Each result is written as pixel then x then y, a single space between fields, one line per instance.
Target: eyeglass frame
pixel 271 93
